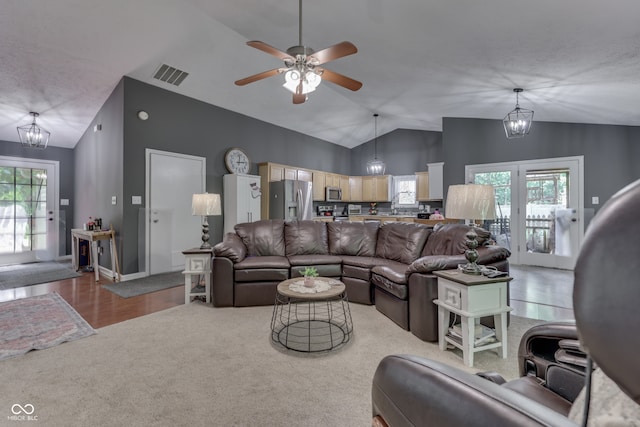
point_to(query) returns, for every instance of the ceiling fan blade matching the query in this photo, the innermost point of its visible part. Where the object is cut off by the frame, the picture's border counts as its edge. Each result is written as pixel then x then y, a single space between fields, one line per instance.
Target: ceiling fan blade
pixel 299 97
pixel 260 76
pixel 269 49
pixel 334 52
pixel 341 80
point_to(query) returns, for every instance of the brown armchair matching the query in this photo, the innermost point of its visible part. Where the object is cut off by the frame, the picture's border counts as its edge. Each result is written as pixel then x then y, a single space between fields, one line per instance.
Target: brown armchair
pixel 411 391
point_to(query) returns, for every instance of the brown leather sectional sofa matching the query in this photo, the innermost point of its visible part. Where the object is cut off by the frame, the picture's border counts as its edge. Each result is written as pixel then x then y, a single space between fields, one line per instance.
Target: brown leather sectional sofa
pixel 390 265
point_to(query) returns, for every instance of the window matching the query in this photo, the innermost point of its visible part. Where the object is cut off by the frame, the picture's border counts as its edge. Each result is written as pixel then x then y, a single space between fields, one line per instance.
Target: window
pixel 404 191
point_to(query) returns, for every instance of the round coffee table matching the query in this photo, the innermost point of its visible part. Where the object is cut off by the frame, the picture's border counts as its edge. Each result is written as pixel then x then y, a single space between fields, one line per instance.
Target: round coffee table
pixel 311 319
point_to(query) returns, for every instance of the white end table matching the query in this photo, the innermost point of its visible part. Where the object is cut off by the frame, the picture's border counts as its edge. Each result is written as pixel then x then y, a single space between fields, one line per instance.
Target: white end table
pixel 197 262
pixel 471 297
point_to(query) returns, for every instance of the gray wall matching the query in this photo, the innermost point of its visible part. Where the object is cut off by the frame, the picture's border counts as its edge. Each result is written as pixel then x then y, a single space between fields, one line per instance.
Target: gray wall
pixel 66 185
pixel 98 159
pixel 180 124
pixel 404 152
pixel 610 153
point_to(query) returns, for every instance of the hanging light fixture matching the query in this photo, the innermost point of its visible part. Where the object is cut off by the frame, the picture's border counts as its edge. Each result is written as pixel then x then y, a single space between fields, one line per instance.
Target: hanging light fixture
pixel 518 122
pixel 375 166
pixel 32 135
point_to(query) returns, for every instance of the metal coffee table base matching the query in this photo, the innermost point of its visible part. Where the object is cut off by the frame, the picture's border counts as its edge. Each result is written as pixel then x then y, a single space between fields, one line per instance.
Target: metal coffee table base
pixel 311 325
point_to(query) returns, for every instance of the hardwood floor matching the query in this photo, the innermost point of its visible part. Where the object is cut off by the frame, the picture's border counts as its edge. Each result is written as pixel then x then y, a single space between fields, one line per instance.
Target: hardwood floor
pixel 98 306
pixel 537 293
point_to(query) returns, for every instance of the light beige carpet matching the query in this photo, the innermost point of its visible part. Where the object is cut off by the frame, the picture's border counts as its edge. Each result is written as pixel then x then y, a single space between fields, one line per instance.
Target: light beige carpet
pixel 195 365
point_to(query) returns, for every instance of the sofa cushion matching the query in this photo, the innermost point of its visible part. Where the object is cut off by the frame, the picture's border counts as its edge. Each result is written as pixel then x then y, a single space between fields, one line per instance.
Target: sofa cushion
pixel 401 241
pixel 392 270
pixel 352 238
pixel 305 238
pixel 276 262
pixel 361 261
pixel 311 260
pixel 263 238
pixel 399 290
pixel 451 239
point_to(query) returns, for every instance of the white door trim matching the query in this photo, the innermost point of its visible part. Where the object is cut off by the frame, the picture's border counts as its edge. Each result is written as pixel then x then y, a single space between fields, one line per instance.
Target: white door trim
pixel 29 162
pixel 147 190
pixel 516 195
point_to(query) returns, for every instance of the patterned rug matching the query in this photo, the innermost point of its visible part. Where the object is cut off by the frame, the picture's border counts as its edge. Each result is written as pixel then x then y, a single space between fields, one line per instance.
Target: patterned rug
pixel 39 322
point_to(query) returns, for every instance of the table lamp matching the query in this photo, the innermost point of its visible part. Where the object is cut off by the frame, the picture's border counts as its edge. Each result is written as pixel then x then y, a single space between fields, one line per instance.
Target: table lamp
pixel 204 205
pixel 471 202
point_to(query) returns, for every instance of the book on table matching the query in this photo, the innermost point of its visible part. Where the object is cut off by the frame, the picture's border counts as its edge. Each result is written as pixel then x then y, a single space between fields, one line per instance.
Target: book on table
pixel 483 334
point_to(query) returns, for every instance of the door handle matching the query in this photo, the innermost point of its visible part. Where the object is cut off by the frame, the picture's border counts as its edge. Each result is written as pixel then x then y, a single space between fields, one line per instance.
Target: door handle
pixel 574 220
pixel 155 220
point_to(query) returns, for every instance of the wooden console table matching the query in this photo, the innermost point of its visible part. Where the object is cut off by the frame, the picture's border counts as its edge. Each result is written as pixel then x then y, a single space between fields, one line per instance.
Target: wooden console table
pixel 92 237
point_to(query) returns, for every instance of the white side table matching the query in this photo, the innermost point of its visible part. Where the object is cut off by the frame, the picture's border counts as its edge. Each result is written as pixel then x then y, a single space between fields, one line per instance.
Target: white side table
pixel 197 262
pixel 471 297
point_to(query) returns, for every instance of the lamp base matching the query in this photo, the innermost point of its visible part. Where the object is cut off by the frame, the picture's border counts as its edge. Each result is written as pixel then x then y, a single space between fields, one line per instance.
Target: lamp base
pixel 471 254
pixel 205 235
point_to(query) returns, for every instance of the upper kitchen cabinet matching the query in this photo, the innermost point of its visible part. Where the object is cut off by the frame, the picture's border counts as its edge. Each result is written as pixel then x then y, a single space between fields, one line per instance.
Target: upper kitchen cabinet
pixel 376 188
pixel 319 183
pixel 355 188
pixel 429 185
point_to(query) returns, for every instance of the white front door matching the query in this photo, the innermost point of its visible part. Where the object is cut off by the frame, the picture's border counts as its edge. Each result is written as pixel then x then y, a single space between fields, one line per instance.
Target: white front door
pixel 172 179
pixel 28 210
pixel 539 205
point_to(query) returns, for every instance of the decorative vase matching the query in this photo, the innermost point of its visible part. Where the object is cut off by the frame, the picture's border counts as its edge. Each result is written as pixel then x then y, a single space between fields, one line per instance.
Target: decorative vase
pixel 309 282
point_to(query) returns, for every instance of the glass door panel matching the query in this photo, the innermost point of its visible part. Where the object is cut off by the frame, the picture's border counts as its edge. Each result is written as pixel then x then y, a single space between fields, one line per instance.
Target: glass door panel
pixel 500 228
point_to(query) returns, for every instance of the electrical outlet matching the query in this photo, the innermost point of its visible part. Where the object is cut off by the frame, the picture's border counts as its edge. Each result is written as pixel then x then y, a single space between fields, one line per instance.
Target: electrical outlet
pixel 114 200
pixel 136 200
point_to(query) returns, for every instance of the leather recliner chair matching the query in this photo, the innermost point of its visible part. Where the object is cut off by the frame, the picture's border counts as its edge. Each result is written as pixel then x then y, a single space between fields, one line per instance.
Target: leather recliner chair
pixel 412 391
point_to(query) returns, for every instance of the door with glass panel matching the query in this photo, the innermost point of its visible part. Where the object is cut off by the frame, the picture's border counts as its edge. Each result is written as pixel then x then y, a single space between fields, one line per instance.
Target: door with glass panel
pixel 28 226
pixel 538 209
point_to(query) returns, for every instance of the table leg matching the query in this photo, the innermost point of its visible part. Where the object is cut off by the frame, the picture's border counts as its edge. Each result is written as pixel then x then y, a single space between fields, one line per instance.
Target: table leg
pixel 74 252
pixel 443 323
pixel 500 322
pixel 468 339
pixel 112 240
pixel 94 260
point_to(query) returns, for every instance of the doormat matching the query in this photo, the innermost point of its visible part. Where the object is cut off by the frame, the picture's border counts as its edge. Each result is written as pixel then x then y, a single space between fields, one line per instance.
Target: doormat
pixel 39 322
pixel 146 285
pixel 19 275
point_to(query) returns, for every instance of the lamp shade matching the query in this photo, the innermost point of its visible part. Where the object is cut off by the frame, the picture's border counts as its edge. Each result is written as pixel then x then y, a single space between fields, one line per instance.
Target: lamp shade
pixel 471 201
pixel 205 204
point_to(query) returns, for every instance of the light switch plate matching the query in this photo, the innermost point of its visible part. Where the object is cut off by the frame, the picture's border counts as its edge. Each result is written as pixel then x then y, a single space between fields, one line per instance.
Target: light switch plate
pixel 595 200
pixel 114 200
pixel 64 202
pixel 136 200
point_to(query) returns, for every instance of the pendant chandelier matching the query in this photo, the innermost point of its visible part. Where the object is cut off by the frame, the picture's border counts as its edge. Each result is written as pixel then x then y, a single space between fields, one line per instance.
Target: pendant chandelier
pixel 32 135
pixel 517 123
pixel 375 166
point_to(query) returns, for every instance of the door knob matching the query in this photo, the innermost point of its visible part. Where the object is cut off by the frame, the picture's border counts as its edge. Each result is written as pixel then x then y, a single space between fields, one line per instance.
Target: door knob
pixel 155 220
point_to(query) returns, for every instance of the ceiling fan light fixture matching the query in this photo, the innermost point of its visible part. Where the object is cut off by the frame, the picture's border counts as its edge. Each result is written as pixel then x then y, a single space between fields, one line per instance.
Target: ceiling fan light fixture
pixel 32 135
pixel 292 79
pixel 517 123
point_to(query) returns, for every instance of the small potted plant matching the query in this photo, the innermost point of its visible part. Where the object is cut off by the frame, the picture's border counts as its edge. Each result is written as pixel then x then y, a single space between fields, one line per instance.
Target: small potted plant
pixel 309 273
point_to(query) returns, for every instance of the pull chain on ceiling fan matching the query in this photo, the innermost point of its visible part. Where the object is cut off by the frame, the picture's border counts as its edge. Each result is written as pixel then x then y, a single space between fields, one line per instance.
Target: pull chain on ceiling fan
pixel 302 69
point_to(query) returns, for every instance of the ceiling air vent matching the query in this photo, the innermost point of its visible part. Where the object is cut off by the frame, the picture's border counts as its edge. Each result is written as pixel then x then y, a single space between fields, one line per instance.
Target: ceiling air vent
pixel 171 75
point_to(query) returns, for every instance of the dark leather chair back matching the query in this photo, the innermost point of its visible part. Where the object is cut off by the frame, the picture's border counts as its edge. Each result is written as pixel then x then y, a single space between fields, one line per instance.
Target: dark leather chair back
pixel 606 293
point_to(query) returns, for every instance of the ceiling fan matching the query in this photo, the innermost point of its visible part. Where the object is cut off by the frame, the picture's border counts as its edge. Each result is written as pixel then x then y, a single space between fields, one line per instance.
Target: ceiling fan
pixel 302 66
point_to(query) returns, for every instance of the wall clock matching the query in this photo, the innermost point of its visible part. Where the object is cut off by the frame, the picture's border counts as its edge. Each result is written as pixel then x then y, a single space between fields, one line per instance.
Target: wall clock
pixel 237 161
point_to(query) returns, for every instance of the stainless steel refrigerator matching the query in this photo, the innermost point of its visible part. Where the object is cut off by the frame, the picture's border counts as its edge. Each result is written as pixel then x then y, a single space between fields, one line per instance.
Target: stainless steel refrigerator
pixel 290 200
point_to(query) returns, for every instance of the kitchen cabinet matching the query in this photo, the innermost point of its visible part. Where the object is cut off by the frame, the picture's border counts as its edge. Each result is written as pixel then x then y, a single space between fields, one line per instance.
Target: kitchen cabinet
pixel 422 186
pixel 305 175
pixel 429 185
pixel 318 186
pixel 242 197
pixel 376 188
pixel 276 173
pixel 345 187
pixel 355 188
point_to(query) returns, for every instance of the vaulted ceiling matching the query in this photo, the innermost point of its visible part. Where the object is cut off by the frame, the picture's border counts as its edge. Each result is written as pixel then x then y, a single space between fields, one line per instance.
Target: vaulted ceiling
pixel 418 60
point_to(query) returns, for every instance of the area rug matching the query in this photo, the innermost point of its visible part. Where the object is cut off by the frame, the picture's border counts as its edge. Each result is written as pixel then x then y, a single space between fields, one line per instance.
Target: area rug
pixel 39 322
pixel 196 365
pixel 156 282
pixel 19 275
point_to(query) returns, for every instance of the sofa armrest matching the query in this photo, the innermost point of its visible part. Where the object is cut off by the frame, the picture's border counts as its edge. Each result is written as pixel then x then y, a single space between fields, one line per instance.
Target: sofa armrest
pixel 410 391
pixel 222 282
pixel 430 263
pixel 539 344
pixel 231 247
pixel 490 254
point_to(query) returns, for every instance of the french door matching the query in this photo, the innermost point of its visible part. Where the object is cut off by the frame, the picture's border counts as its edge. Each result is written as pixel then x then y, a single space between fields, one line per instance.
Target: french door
pixel 539 208
pixel 28 210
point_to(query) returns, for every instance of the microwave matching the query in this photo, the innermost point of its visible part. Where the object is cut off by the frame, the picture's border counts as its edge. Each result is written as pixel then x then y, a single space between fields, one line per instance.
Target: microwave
pixel 333 194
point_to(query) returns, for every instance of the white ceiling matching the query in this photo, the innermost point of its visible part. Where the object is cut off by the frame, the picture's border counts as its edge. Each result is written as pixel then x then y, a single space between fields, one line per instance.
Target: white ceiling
pixel 419 60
